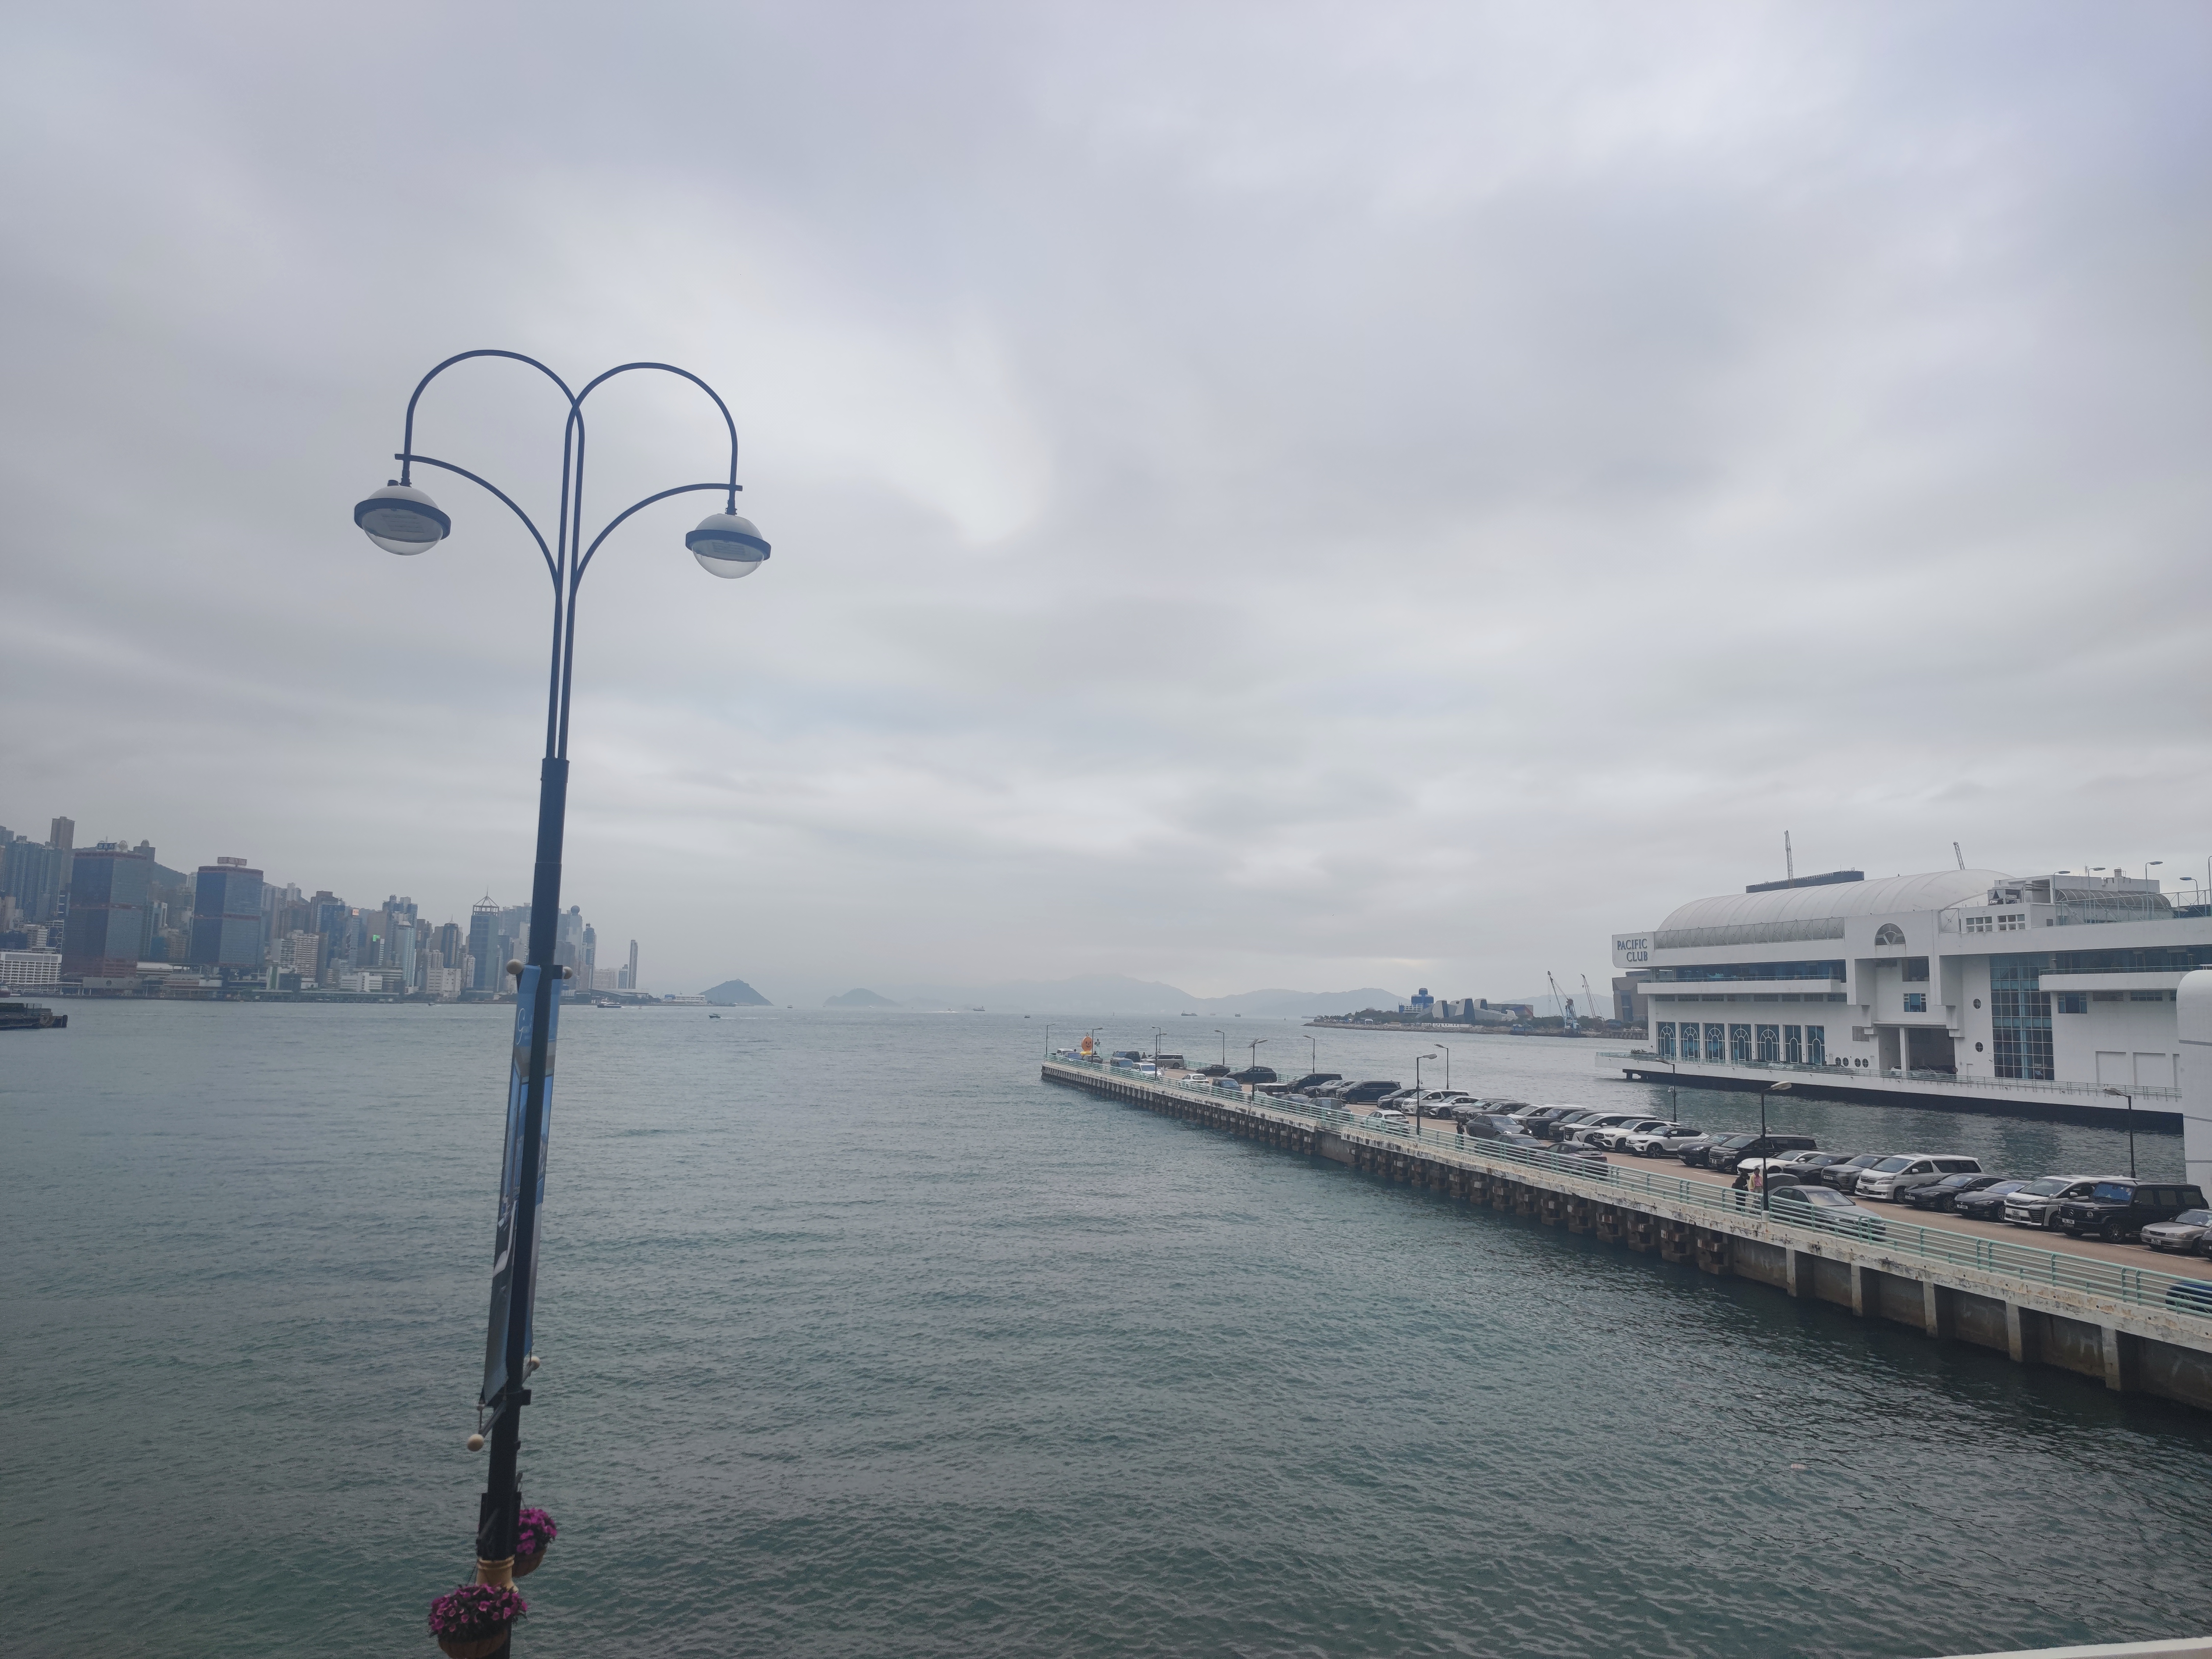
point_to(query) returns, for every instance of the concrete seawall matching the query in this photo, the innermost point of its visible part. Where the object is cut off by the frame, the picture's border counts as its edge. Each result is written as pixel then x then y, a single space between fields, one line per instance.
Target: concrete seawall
pixel 2130 1346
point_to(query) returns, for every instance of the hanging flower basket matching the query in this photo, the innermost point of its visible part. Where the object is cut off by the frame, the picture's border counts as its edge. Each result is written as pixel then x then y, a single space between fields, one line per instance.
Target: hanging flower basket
pixel 471 1620
pixel 533 1535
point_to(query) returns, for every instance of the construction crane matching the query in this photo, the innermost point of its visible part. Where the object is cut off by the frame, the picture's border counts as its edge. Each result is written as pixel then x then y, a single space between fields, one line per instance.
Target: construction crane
pixel 1589 999
pixel 1565 1005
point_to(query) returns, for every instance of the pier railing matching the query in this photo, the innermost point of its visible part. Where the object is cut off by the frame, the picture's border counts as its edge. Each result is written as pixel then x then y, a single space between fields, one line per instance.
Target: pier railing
pixel 1845 1077
pixel 2084 1275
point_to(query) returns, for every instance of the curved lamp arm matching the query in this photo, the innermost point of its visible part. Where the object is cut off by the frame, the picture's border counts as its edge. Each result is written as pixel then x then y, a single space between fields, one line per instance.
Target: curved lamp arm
pixel 729 424
pixel 428 460
pixel 407 442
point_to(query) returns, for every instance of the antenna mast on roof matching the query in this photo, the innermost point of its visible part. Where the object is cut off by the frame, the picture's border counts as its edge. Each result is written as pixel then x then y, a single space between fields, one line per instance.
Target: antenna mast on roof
pixel 1789 858
pixel 1957 854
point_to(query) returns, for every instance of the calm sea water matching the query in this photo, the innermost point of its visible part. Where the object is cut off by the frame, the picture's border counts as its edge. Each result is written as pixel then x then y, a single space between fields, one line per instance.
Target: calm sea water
pixel 861 1342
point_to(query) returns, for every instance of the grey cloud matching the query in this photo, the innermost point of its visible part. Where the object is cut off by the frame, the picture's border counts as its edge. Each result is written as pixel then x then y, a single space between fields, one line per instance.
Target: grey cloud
pixel 1261 495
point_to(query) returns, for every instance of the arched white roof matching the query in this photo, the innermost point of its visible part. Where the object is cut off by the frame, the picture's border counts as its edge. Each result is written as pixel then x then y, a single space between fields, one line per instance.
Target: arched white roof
pixel 1888 896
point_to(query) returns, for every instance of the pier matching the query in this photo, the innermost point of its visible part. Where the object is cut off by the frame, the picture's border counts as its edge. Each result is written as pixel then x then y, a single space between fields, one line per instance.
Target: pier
pixel 2085 1308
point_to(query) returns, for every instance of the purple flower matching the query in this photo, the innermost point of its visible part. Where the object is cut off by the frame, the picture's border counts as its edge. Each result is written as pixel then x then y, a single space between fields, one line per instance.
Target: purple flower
pixel 533 1532
pixel 469 1611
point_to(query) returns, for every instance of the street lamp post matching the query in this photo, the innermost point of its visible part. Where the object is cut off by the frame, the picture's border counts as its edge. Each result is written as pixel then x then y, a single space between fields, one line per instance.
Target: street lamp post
pixel 1418 1058
pixel 1223 1035
pixel 1156 1033
pixel 403 519
pixel 1446 1046
pixel 2130 1097
pixel 1765 1201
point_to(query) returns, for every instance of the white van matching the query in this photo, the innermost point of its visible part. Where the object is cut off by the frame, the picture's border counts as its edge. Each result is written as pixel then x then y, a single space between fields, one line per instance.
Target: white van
pixel 1893 1177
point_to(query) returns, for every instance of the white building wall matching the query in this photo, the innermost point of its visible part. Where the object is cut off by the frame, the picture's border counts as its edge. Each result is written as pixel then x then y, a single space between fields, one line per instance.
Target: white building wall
pixel 2194 1007
pixel 26 970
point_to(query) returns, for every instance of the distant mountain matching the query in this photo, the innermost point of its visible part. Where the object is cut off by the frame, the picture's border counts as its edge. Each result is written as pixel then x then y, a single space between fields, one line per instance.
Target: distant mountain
pixel 857 997
pixel 736 994
pixel 1115 993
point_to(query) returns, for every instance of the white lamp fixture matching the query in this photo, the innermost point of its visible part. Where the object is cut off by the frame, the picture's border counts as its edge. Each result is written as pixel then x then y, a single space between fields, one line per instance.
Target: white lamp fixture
pixel 401 518
pixel 726 546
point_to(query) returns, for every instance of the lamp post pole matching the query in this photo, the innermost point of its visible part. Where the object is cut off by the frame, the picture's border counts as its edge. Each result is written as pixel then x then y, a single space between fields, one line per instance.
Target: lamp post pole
pixel 1223 1035
pixel 1764 1161
pixel 402 518
pixel 2128 1096
pixel 1418 1058
pixel 1446 1046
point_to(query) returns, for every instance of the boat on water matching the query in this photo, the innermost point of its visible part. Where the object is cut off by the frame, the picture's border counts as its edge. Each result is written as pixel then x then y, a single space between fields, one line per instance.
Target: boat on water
pixel 605 1002
pixel 30 1017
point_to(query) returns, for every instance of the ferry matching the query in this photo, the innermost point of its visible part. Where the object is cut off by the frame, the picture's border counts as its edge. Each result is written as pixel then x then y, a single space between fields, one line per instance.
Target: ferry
pixel 2044 996
pixel 30 1017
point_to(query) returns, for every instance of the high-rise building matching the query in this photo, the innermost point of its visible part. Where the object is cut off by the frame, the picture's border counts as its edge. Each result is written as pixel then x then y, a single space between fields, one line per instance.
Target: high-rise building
pixel 225 915
pixel 483 944
pixel 590 953
pixel 31 873
pixel 106 912
pixel 403 950
pixel 629 974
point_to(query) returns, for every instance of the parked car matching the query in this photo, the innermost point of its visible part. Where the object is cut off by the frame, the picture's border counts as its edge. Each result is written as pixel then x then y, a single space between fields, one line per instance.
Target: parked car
pixel 1611 1135
pixel 2036 1205
pixel 1941 1195
pixel 1893 1177
pixel 1725 1156
pixel 2191 1296
pixel 1213 1071
pixel 2188 1233
pixel 1696 1152
pixel 1845 1176
pixel 1985 1203
pixel 1569 1151
pixel 1390 1116
pixel 1560 1127
pixel 1256 1074
pixel 1313 1080
pixel 1365 1094
pixel 1659 1141
pixel 2122 1209
pixel 1821 1207
pixel 1536 1117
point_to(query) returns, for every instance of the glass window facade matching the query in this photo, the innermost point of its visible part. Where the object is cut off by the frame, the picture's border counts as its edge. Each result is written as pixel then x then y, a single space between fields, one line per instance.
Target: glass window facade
pixel 1733 972
pixel 1739 1045
pixel 1665 1039
pixel 1715 1043
pixel 1793 1045
pixel 1816 1045
pixel 1770 1044
pixel 1916 1002
pixel 2020 1019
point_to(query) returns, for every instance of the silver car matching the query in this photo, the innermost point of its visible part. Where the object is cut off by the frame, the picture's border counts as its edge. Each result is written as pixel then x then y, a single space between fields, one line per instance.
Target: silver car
pixel 1893 1177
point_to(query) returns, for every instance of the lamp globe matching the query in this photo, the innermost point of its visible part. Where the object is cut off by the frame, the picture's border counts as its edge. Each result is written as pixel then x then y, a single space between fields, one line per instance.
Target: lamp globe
pixel 726 546
pixel 401 518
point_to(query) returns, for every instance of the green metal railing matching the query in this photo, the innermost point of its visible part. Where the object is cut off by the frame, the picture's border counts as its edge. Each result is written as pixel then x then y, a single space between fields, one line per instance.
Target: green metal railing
pixel 2064 1270
pixel 1844 1077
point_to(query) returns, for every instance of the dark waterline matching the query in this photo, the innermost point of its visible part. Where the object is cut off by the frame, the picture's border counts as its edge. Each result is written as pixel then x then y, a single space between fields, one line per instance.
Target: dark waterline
pixel 861 1342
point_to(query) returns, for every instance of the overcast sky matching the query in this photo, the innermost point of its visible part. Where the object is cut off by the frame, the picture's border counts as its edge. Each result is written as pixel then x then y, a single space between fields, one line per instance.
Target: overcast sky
pixel 1261 495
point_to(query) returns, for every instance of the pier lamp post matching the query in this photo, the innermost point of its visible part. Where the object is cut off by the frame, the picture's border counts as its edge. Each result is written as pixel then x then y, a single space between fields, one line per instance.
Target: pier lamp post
pixel 1156 1033
pixel 1223 1035
pixel 1764 1196
pixel 1447 1049
pixel 403 519
pixel 2124 1094
pixel 1418 1058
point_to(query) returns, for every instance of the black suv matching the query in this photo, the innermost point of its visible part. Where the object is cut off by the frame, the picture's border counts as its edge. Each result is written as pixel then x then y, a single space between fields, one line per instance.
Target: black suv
pixel 1366 1094
pixel 1254 1074
pixel 1314 1079
pixel 1845 1176
pixel 2121 1209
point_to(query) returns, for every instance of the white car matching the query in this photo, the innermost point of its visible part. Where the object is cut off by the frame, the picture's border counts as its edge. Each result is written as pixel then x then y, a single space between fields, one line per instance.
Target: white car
pixel 1660 1141
pixel 1893 1177
pixel 1614 1136
pixel 1587 1131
